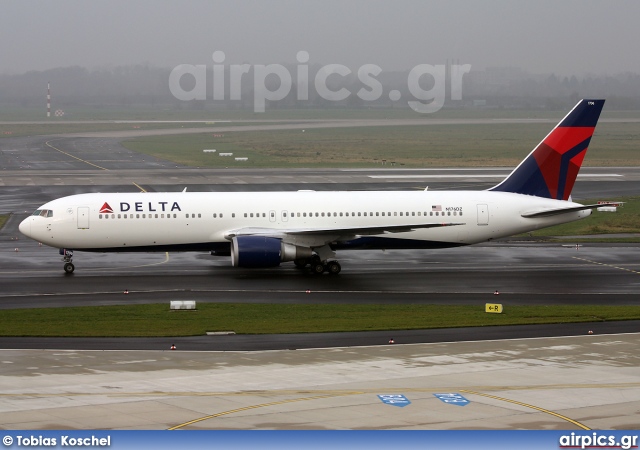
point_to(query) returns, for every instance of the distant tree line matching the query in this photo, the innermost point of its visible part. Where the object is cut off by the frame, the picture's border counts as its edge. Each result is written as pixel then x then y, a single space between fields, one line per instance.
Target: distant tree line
pixel 148 86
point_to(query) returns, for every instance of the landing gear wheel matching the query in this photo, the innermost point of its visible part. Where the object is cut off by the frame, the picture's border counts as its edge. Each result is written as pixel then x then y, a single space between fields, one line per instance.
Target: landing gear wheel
pixel 334 267
pixel 317 268
pixel 69 267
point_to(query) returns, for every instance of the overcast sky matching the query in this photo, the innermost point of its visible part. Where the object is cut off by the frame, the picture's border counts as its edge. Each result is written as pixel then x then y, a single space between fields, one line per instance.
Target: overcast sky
pixel 544 36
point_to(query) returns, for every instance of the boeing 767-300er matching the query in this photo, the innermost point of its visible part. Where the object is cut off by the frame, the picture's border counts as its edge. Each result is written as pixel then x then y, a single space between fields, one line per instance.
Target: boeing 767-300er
pixel 264 229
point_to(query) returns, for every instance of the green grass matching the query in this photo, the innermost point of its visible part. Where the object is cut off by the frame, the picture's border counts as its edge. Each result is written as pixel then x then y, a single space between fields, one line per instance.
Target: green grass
pixel 3 220
pixel 625 220
pixel 157 320
pixel 463 145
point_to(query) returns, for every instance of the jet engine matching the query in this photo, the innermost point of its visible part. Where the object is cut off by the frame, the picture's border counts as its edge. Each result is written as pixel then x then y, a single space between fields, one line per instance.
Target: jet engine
pixel 260 251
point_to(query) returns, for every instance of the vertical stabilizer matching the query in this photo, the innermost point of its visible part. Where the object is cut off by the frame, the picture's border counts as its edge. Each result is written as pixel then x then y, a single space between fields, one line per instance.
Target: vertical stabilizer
pixel 551 169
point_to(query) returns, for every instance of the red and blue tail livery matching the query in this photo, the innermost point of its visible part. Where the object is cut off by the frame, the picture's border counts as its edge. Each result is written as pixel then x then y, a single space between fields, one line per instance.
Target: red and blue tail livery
pixel 551 169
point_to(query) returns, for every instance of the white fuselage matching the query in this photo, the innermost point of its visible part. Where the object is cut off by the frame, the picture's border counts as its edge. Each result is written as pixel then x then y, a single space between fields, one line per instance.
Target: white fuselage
pixel 203 220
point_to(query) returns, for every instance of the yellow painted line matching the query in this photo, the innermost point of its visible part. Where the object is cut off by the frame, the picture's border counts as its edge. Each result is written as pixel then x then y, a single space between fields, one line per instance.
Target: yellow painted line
pixel 74 157
pixel 607 265
pixel 526 405
pixel 319 393
pixel 263 405
pixel 139 187
pixel 101 269
pixel 166 260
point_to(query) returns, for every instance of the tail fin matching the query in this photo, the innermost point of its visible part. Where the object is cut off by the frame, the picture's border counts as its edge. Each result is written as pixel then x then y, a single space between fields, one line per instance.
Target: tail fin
pixel 551 169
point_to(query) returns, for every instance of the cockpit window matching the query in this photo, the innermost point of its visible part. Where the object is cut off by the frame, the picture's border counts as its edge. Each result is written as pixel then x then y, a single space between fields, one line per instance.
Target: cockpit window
pixel 49 213
pixel 43 213
pixel 36 212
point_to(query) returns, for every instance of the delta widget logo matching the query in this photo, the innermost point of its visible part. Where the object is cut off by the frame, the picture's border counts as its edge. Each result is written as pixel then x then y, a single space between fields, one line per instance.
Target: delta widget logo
pixel 106 208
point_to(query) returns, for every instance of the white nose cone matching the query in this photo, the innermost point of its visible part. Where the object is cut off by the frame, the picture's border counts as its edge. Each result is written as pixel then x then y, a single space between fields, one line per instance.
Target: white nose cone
pixel 25 227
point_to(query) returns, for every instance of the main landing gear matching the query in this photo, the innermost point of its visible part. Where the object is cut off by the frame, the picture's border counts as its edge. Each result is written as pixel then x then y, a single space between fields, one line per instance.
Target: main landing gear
pixel 318 266
pixel 67 256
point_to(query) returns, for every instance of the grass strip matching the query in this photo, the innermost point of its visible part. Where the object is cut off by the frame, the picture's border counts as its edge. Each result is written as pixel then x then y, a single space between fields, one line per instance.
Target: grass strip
pixel 455 145
pixel 243 318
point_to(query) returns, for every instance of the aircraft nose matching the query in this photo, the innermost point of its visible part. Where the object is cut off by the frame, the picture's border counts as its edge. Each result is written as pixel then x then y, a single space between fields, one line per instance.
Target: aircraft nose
pixel 25 227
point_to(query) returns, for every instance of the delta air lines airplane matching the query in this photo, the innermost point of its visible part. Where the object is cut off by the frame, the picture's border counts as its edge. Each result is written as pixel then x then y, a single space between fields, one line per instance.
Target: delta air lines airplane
pixel 264 229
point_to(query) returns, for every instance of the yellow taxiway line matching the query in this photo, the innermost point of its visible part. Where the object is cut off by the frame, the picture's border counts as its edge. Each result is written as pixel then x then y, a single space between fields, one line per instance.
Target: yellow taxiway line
pixel 74 157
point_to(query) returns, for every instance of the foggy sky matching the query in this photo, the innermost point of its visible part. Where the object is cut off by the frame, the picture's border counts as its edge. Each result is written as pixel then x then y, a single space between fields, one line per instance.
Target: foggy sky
pixel 545 36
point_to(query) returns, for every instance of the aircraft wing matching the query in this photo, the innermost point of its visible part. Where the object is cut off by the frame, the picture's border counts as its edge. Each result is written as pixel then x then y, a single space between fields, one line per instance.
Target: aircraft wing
pixel 557 211
pixel 321 236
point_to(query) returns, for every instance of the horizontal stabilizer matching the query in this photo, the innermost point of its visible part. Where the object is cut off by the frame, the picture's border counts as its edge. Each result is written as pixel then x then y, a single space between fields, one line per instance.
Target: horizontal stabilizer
pixel 558 211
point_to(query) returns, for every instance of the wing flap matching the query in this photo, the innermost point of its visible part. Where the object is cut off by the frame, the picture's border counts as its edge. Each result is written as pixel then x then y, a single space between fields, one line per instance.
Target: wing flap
pixel 340 231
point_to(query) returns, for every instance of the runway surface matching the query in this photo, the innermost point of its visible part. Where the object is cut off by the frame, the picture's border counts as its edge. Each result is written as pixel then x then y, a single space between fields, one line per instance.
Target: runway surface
pixel 316 380
pixel 571 383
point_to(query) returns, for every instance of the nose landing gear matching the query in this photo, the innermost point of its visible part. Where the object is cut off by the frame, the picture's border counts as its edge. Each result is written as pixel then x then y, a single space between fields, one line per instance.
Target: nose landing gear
pixel 67 256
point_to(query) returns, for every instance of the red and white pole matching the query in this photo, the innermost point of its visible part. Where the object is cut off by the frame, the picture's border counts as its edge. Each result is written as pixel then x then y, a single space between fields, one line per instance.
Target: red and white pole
pixel 48 100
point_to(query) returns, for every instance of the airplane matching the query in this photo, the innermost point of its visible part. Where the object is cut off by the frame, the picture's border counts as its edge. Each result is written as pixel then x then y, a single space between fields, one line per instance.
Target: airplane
pixel 264 229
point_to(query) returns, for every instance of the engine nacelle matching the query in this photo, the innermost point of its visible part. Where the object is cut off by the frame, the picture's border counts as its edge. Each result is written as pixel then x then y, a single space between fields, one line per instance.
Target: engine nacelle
pixel 260 251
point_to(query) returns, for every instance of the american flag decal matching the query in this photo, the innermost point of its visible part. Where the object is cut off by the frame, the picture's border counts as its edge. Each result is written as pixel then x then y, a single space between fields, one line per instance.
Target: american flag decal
pixel 436 208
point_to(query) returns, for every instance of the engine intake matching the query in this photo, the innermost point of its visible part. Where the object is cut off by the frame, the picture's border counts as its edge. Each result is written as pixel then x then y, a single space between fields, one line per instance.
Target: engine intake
pixel 260 251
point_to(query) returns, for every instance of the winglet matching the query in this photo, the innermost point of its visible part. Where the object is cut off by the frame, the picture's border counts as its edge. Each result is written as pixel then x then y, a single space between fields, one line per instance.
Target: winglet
pixel 550 170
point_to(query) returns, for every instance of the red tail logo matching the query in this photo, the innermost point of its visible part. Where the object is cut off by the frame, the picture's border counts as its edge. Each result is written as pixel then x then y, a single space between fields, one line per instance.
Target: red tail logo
pixel 106 208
